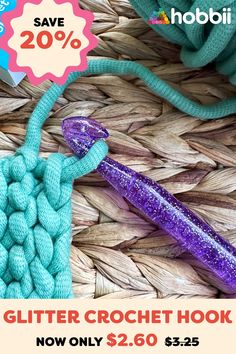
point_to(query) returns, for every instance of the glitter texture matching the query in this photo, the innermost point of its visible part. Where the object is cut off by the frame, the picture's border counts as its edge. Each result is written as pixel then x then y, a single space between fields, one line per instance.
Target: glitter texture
pixel 156 203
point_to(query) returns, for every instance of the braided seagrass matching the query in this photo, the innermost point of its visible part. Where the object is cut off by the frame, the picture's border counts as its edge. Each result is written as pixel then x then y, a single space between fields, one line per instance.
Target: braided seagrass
pixel 117 253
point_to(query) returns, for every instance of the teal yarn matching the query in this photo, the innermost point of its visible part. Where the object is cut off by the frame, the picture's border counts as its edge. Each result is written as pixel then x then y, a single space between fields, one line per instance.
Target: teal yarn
pixel 218 110
pixel 201 44
pixel 122 67
pixel 35 213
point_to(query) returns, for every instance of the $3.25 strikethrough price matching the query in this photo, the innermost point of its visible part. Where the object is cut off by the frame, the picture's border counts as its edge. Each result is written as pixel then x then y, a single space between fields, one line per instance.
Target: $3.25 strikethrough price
pixel 185 342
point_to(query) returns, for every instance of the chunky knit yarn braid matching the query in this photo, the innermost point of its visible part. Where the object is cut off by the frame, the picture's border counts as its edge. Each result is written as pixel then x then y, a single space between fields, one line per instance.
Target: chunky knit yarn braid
pixel 35 213
pixel 201 44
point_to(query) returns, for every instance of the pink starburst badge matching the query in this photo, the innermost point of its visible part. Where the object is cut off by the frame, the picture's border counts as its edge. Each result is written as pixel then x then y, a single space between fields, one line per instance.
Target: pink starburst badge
pixel 48 39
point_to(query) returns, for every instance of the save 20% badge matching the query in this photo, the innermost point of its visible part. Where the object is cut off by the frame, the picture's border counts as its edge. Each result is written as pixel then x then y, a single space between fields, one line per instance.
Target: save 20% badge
pixel 48 39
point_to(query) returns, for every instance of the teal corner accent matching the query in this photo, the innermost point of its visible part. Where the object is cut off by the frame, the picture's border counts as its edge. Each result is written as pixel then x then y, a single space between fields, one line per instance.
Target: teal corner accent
pixel 11 4
pixel 4 59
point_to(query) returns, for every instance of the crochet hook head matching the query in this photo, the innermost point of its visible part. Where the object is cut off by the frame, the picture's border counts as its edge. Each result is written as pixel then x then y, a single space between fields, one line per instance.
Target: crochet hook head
pixel 81 133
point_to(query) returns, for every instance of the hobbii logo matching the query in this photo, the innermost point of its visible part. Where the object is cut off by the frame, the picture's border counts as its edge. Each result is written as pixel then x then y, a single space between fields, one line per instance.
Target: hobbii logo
pixel 202 17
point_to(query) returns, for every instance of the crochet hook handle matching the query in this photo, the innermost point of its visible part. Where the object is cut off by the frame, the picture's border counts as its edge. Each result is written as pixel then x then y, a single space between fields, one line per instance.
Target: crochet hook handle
pixel 156 203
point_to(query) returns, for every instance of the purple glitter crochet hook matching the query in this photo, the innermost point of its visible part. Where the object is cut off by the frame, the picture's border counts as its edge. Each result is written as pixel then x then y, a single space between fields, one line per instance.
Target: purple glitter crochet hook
pixel 156 203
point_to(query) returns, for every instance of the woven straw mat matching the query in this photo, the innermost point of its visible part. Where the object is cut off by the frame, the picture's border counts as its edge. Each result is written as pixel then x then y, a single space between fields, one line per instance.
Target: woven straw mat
pixel 116 252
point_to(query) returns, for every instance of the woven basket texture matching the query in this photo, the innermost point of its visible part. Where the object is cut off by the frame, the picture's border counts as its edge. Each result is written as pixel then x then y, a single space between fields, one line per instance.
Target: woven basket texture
pixel 116 252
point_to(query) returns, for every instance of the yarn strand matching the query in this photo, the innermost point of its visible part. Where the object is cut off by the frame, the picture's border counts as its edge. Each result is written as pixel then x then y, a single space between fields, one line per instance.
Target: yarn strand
pixel 205 112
